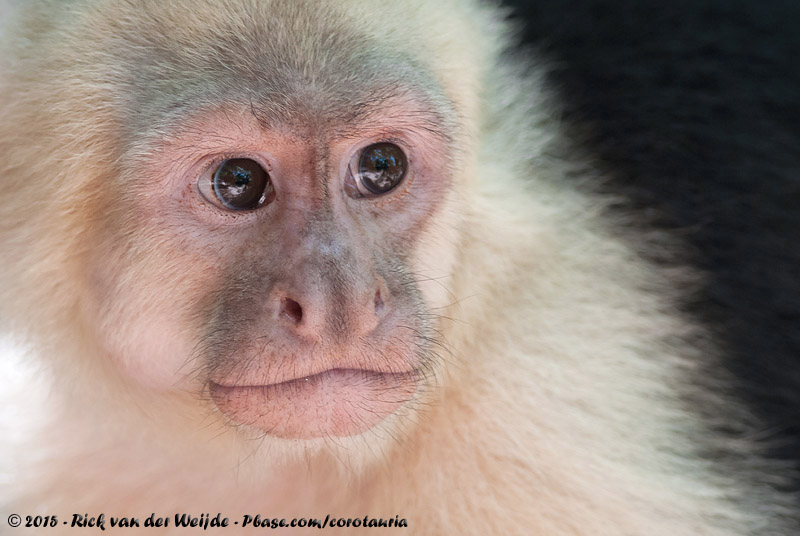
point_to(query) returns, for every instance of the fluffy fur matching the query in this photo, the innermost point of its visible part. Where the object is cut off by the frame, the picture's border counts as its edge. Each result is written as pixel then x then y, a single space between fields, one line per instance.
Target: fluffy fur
pixel 557 404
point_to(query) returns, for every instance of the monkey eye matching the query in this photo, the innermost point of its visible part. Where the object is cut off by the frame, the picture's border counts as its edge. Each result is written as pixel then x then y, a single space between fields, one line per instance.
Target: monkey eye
pixel 238 184
pixel 381 167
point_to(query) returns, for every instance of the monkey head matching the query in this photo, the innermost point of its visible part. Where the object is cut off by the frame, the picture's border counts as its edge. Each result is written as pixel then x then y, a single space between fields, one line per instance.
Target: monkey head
pixel 259 223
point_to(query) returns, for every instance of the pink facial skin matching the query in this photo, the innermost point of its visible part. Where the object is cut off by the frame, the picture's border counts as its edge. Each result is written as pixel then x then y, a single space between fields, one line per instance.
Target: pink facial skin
pixel 299 318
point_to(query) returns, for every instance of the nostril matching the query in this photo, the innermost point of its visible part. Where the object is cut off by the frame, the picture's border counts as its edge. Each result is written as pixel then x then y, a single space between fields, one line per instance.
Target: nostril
pixel 292 310
pixel 378 301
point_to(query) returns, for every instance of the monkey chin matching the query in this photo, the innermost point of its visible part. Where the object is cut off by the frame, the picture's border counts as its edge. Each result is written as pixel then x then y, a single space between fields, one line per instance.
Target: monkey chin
pixel 333 403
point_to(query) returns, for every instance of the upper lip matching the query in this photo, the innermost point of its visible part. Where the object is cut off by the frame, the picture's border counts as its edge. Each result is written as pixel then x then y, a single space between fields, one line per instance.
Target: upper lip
pixel 274 370
pixel 295 378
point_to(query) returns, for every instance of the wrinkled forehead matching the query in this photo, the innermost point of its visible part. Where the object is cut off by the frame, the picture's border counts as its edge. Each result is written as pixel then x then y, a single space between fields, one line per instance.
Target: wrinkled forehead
pixel 287 63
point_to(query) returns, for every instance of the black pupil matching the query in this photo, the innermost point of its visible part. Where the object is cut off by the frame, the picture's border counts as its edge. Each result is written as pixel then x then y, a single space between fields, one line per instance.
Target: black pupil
pixel 382 167
pixel 241 184
pixel 242 177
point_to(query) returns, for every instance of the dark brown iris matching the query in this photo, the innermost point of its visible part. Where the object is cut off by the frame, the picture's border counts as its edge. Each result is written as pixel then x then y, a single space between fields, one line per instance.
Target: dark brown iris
pixel 241 184
pixel 382 167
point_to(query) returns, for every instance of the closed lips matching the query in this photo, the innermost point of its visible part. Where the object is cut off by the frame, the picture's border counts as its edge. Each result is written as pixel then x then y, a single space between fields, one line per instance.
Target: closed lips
pixel 336 402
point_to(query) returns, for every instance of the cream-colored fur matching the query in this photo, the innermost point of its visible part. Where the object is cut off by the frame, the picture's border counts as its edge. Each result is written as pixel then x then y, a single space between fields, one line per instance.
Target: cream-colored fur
pixel 556 406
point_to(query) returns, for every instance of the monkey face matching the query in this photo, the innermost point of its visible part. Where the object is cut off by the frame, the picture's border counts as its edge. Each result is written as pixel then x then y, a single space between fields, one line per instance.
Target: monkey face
pixel 271 269
pixel 265 245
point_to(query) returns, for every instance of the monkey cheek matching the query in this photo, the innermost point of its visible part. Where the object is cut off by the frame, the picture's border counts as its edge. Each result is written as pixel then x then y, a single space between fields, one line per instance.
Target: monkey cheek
pixel 153 363
pixel 151 354
pixel 335 403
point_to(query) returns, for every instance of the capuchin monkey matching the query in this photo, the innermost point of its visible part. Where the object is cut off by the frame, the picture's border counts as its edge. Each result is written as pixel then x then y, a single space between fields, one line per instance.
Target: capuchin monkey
pixel 335 259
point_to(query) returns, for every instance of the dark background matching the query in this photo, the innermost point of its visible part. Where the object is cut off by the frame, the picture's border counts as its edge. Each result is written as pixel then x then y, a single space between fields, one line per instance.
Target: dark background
pixel 694 109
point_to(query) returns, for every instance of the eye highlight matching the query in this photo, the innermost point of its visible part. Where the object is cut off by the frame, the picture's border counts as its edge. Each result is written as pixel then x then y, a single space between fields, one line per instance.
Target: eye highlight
pixel 381 167
pixel 237 184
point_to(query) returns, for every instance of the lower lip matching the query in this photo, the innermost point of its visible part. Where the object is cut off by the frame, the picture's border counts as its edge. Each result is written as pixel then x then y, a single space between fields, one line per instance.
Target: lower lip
pixel 335 403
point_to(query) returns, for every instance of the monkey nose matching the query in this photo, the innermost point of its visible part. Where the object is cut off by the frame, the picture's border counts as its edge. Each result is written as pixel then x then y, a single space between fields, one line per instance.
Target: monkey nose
pixel 316 316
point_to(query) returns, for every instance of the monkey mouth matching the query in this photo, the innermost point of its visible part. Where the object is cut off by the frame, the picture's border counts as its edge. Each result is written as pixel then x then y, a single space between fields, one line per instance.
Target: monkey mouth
pixel 333 403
